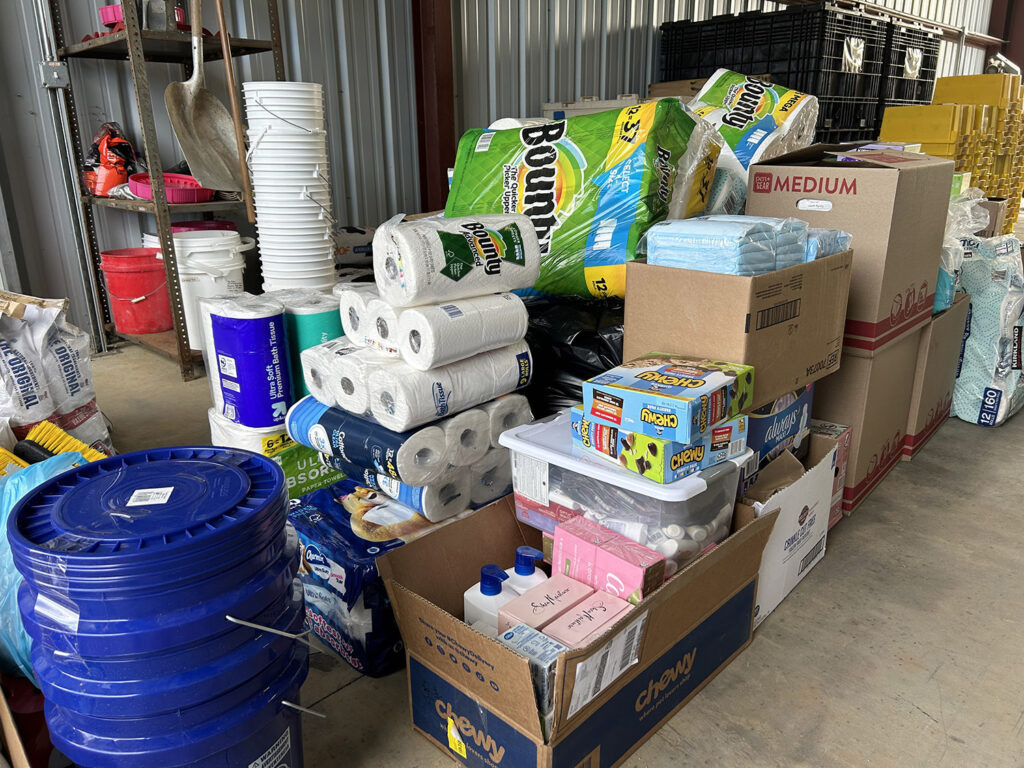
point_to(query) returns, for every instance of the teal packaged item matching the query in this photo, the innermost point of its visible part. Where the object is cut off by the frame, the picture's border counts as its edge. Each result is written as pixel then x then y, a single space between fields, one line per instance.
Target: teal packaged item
pixel 310 318
pixel 669 396
pixel 656 458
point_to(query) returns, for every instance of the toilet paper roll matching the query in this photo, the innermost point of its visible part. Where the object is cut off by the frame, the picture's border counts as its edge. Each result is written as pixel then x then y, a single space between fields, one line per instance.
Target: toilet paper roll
pixel 491 477
pixel 319 364
pixel 383 327
pixel 414 457
pixel 505 413
pixel 435 335
pixel 246 355
pixel 407 398
pixel 444 497
pixel 469 436
pixel 365 476
pixel 225 433
pixel 350 378
pixel 310 318
pixel 429 261
pixel 352 298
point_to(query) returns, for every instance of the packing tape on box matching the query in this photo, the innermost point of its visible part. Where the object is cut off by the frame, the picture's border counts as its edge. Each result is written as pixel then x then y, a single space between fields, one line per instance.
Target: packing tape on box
pixel 225 433
pixel 246 352
pixel 468 435
pixel 414 457
pixel 406 398
pixel 434 335
pixel 433 260
pixel 506 412
pixel 491 477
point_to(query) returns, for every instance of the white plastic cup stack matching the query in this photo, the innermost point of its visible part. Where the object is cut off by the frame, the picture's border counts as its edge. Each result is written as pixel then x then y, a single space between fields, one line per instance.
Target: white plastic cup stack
pixel 291 186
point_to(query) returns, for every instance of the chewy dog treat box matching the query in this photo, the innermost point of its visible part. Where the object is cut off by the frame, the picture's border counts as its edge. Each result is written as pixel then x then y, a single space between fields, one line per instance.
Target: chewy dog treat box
pixel 657 459
pixel 669 396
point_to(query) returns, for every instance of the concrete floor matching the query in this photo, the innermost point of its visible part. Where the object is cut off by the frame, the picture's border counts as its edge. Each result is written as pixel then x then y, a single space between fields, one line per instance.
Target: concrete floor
pixel 901 648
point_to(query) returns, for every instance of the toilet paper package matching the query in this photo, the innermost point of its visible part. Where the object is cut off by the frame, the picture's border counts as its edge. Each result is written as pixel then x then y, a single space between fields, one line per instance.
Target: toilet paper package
pixel 988 387
pixel 342 530
pixel 444 497
pixel 318 365
pixel 591 185
pixel 469 436
pixel 342 374
pixel 727 247
pixel 491 477
pixel 405 398
pixel 382 335
pixel 414 457
pixel 310 318
pixel 506 412
pixel 434 260
pixel 246 352
pixel 355 320
pixel 778 426
pixel 757 121
pixel 434 335
pixel 268 441
pixel 364 476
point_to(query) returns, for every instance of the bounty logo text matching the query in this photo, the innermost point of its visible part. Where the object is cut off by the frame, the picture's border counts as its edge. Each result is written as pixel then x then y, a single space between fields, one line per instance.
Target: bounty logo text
pixel 743 111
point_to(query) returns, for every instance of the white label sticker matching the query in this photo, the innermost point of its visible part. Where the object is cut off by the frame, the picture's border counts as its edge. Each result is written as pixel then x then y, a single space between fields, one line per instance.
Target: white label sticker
pixel 227 366
pixel 277 755
pixel 602 669
pixel 530 477
pixel 145 496
pixel 808 204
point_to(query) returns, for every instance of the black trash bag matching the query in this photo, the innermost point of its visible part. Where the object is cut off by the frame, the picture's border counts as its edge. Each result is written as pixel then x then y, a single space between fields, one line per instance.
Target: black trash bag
pixel 571 339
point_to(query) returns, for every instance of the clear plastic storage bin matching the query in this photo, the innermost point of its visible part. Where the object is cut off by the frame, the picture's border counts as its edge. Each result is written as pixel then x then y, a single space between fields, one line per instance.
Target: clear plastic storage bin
pixel 553 481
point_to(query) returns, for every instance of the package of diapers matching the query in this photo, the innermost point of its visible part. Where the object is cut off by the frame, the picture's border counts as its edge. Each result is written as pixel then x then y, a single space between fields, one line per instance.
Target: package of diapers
pixel 757 121
pixel 591 185
pixel 738 247
pixel 988 386
pixel 342 531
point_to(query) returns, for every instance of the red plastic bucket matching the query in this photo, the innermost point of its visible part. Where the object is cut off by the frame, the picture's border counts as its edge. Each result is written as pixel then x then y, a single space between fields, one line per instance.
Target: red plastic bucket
pixel 137 287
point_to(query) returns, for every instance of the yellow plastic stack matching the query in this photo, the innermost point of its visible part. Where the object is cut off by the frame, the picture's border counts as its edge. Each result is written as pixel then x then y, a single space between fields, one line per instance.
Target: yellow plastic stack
pixel 976 121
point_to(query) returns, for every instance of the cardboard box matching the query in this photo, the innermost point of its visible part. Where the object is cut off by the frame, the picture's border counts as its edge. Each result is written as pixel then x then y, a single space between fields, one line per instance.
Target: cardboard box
pixel 560 110
pixel 802 494
pixel 787 324
pixel 781 425
pixel 843 435
pixel 997 208
pixel 872 395
pixel 895 206
pixel 584 623
pixel 473 698
pixel 938 355
pixel 685 89
pixel 544 603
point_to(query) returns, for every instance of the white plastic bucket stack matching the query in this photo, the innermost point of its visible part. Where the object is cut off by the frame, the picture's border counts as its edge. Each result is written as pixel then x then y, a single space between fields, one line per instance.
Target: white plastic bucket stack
pixel 291 189
pixel 210 263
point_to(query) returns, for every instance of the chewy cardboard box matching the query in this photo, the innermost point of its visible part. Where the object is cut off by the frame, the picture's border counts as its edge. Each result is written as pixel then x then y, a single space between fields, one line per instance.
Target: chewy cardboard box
pixel 872 395
pixel 473 698
pixel 938 355
pixel 802 494
pixel 895 206
pixel 787 324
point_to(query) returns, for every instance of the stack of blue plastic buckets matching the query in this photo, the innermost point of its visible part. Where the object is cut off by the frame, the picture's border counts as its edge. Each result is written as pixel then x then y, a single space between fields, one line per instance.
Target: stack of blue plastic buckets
pixel 132 565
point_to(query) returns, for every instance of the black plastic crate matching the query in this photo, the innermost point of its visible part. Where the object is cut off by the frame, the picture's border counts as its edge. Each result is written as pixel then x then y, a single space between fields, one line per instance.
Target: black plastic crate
pixel 912 61
pixel 842 119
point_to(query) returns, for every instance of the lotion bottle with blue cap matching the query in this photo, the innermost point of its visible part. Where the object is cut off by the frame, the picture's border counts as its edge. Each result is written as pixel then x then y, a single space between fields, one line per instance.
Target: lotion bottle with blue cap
pixel 482 601
pixel 525 574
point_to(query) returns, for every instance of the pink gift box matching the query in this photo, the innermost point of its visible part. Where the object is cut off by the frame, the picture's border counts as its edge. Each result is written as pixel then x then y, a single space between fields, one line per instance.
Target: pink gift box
pixel 583 623
pixel 544 603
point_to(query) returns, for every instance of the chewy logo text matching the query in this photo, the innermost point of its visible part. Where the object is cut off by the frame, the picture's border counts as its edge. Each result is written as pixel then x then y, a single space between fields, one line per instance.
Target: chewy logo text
pixel 696 453
pixel 657 685
pixel 669 420
pixel 483 741
pixel 670 381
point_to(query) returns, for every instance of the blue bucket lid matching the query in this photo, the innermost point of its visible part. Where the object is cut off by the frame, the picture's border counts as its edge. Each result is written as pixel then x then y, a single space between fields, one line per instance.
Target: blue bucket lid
pixel 146 504
pixel 58 627
pixel 181 658
pixel 257 723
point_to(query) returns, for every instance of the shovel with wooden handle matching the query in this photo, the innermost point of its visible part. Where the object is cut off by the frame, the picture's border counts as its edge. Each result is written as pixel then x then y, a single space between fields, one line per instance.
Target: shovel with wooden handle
pixel 201 124
pixel 236 112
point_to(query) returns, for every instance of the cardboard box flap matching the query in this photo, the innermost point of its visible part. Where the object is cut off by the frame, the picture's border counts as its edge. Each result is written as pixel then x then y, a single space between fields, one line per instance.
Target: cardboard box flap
pixel 682 603
pixel 780 473
pixel 882 158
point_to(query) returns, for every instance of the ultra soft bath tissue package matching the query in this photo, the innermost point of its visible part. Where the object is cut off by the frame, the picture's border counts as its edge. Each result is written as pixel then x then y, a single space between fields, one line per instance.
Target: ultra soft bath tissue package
pixel 435 260
pixel 405 398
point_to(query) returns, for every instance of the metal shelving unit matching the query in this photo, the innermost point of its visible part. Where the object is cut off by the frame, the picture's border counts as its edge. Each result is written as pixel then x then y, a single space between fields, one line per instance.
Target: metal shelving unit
pixel 139 46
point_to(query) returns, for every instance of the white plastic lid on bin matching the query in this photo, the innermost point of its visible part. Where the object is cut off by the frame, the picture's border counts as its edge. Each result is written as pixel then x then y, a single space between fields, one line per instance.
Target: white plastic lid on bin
pixel 551 442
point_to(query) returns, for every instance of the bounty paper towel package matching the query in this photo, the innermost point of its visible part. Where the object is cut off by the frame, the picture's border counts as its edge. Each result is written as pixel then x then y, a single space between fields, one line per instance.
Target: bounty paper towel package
pixel 591 185
pixel 657 459
pixel 758 121
pixel 669 396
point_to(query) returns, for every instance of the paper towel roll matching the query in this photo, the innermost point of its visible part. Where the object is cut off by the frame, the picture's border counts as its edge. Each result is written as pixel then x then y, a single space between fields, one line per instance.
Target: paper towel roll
pixel 505 413
pixel 491 477
pixel 406 398
pixel 246 355
pixel 439 334
pixel 382 334
pixel 225 433
pixel 352 299
pixel 350 377
pixel 444 497
pixel 310 318
pixel 430 261
pixel 414 457
pixel 469 436
pixel 319 365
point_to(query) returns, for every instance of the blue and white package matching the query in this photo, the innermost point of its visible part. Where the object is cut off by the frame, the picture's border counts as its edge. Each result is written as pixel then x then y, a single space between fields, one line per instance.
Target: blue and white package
pixel 988 387
pixel 790 236
pixel 342 531
pixel 246 351
pixel 542 653
pixel 415 457
pixel 726 247
pixel 826 242
pixel 782 425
